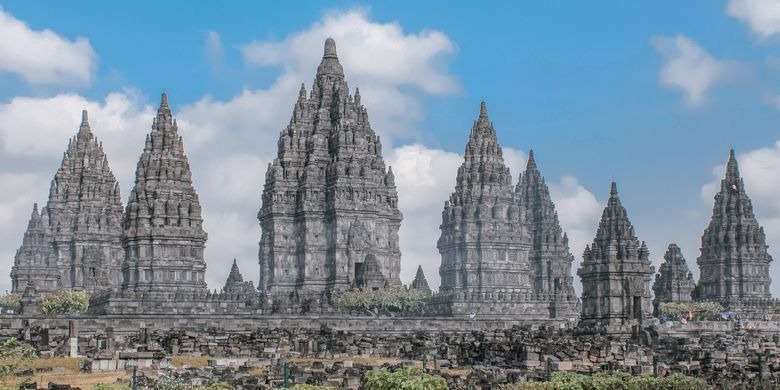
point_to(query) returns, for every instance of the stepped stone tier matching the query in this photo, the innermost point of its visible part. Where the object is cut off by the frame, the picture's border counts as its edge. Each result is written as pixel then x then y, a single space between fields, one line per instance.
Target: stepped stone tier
pixel 329 213
pixel 674 281
pixel 163 239
pixel 35 264
pixel 615 274
pixel 81 224
pixel 734 263
pixel 420 283
pixel 502 248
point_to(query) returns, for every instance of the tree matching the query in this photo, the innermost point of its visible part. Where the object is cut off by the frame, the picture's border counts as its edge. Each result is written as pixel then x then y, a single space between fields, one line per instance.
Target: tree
pixel 10 303
pixel 15 355
pixel 65 302
pixel 404 378
pixel 387 301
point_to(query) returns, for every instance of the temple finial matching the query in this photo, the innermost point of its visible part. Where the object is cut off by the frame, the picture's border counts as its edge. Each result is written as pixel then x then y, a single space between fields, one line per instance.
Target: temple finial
pixel 613 191
pixel 84 117
pixel 531 160
pixel 732 170
pixel 164 100
pixel 483 110
pixel 330 48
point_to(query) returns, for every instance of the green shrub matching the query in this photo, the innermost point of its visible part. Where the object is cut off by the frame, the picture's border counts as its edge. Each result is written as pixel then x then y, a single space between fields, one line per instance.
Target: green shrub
pixel 698 309
pixel 404 378
pixel 306 387
pixel 65 302
pixel 382 301
pixel 14 356
pixel 10 302
pixel 612 381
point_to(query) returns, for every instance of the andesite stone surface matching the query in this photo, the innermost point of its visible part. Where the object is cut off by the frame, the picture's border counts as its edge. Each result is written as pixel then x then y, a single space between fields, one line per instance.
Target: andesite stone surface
pixel 329 214
pixel 674 281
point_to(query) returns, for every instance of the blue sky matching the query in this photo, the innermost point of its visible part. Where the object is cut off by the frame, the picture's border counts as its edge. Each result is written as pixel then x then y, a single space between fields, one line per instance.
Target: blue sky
pixel 651 95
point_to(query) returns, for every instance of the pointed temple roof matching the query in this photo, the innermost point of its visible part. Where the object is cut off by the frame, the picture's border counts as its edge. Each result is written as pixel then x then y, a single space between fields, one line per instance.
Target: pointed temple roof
pixel 84 188
pixel 235 274
pixel 615 239
pixel 734 261
pixel 483 172
pixel 674 281
pixel 35 261
pixel 420 283
pixel 163 184
pixel 550 256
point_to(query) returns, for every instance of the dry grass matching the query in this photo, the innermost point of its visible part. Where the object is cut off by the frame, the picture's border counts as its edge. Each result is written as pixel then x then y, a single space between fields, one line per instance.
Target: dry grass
pixel 83 380
pixel 459 372
pixel 362 360
pixel 192 361
pixel 258 371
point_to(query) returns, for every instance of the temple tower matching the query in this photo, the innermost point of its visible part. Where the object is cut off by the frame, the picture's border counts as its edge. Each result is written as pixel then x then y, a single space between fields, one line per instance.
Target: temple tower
pixel 83 217
pixel 163 233
pixel 35 262
pixel 420 283
pixel 615 274
pixel 674 281
pixel 550 257
pixel 235 283
pixel 484 242
pixel 734 261
pixel 329 213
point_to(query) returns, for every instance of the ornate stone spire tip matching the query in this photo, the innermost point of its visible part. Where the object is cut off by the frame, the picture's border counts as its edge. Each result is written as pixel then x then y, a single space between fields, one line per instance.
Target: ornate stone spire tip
pixel 164 100
pixel 330 48
pixel 84 117
pixel 483 109
pixel 613 191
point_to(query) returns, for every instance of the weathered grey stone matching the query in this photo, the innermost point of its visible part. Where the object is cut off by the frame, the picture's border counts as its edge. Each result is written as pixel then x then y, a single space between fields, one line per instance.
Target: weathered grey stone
pixel 82 220
pixel 420 283
pixel 734 263
pixel 163 227
pixel 329 212
pixel 615 274
pixel 35 264
pixel 235 283
pixel 674 281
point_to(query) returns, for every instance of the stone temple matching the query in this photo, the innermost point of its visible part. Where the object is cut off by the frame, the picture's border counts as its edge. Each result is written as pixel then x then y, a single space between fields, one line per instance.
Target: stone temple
pixel 75 242
pixel 616 274
pixel 330 220
pixel 734 262
pixel 674 281
pixel 329 214
pixel 503 251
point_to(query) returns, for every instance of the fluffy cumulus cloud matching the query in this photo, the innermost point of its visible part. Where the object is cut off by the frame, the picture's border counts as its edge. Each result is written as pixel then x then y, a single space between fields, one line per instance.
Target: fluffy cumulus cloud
pixel 762 16
pixel 379 58
pixel 758 169
pixel 689 68
pixel 43 57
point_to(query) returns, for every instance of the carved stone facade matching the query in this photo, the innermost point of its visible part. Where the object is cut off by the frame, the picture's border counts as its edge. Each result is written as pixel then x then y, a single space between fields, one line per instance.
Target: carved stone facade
pixel 35 264
pixel 503 251
pixel 674 281
pixel 81 223
pixel 235 283
pixel 164 237
pixel 329 212
pixel 734 262
pixel 615 274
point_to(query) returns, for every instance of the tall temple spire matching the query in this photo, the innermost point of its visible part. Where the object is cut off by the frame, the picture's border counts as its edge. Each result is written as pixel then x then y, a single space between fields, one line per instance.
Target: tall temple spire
pixel 330 157
pixel 164 238
pixel 83 217
pixel 615 254
pixel 235 283
pixel 550 257
pixel 734 261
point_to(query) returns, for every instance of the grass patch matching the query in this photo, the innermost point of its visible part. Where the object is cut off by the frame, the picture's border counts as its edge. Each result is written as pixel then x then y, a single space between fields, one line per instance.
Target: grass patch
pixel 459 372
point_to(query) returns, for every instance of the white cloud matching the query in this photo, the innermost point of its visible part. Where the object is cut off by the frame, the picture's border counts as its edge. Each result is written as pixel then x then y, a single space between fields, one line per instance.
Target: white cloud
pixel 762 16
pixel 213 50
pixel 689 68
pixel 758 168
pixel 379 58
pixel 43 57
